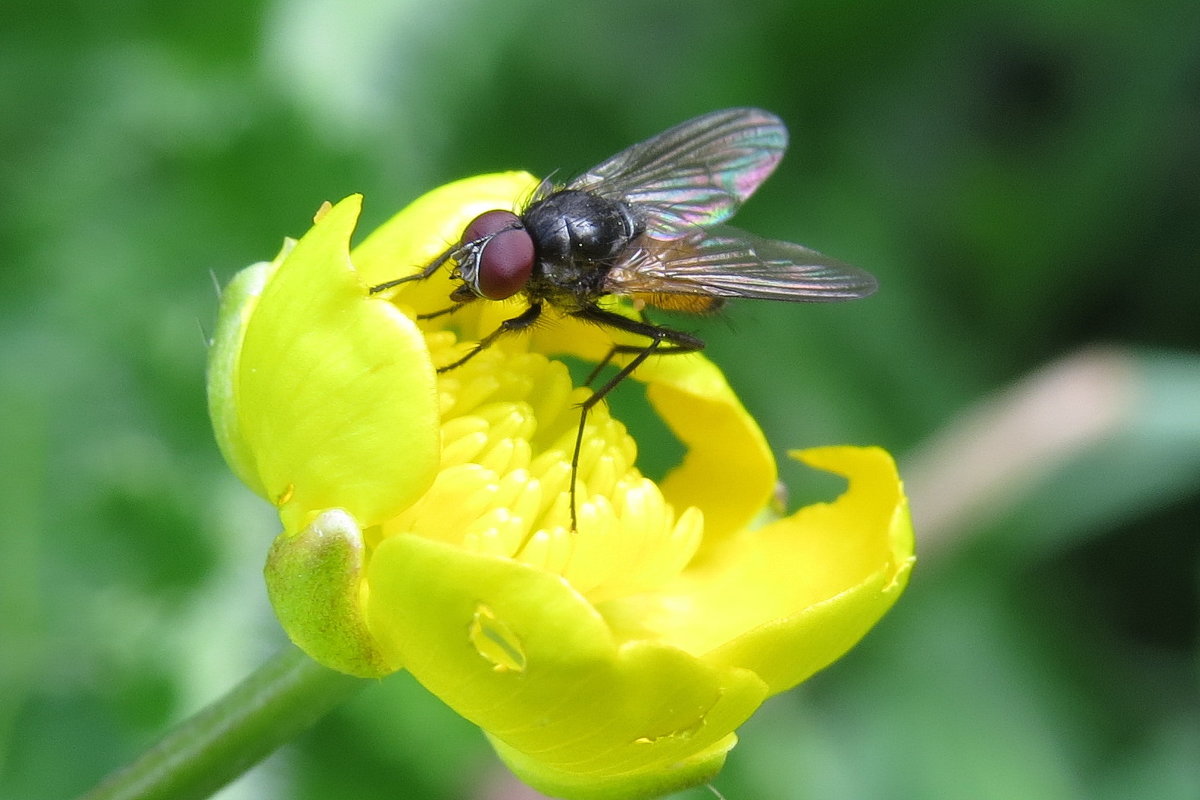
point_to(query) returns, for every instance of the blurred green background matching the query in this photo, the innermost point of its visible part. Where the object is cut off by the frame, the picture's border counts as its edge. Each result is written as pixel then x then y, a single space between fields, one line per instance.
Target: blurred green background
pixel 1024 178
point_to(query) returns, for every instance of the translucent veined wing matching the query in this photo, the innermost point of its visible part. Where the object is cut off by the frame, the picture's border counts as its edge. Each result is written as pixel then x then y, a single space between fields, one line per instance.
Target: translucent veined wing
pixel 727 262
pixel 695 174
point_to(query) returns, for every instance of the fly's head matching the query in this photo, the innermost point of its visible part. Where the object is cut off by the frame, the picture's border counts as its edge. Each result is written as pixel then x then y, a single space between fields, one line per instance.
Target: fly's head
pixel 495 257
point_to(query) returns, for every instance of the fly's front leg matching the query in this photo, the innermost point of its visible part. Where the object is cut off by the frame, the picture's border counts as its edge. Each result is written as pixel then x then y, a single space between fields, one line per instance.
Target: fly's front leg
pixel 517 323
pixel 662 341
pixel 425 272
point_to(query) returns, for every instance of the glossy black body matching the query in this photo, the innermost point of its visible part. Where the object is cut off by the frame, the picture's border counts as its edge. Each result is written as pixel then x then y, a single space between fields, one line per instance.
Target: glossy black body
pixel 577 237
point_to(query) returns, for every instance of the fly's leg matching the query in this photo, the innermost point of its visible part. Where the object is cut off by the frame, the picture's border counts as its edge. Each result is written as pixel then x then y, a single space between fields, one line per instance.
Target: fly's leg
pixel 663 341
pixel 666 349
pixel 517 323
pixel 417 276
pixel 441 312
pixel 460 297
pixel 674 345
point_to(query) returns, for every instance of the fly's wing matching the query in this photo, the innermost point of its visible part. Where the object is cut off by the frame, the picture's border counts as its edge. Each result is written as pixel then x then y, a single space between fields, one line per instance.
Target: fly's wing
pixel 695 174
pixel 727 262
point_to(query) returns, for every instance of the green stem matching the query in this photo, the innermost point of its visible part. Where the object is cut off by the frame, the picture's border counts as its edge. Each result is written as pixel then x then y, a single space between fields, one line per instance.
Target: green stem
pixel 203 753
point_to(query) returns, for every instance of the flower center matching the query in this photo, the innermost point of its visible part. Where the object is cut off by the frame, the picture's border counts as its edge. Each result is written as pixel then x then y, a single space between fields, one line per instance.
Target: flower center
pixel 509 421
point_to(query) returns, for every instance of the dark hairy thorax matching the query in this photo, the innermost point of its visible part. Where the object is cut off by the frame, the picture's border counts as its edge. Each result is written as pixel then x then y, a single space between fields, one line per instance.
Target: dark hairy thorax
pixel 577 237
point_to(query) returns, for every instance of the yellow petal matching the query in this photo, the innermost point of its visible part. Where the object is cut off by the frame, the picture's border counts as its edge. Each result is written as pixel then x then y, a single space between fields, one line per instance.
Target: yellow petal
pixel 335 393
pixel 728 472
pixel 788 599
pixel 520 653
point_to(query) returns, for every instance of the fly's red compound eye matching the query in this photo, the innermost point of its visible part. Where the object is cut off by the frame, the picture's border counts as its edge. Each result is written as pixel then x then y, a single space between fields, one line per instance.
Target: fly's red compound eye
pixel 503 251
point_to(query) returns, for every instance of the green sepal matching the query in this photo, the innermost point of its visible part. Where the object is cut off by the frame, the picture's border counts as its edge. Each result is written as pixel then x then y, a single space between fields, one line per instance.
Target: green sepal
pixel 315 582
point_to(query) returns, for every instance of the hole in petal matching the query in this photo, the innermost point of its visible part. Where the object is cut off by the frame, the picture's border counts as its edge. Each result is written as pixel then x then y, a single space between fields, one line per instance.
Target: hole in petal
pixel 496 642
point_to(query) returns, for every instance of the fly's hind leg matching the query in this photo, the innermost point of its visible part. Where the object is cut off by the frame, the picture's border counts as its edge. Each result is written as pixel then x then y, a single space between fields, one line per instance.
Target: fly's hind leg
pixel 663 341
pixel 673 345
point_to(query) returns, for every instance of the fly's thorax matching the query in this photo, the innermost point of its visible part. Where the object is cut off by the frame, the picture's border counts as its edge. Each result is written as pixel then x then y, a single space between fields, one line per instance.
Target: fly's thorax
pixel 577 238
pixel 580 226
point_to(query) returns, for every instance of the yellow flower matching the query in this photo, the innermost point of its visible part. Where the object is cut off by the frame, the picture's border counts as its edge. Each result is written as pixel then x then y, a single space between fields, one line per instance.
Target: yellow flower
pixel 426 523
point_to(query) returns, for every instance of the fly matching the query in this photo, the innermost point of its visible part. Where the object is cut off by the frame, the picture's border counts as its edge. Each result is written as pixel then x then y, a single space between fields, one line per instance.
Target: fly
pixel 645 224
